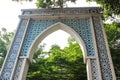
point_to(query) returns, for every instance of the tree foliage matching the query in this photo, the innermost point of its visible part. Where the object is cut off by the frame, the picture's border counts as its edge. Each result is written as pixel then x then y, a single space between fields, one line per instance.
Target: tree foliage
pixel 59 64
pixel 52 3
pixel 113 34
pixel 111 6
pixel 5 40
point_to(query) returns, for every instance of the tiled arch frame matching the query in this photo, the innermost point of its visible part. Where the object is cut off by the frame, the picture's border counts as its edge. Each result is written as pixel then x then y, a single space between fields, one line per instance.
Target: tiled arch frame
pixel 83 23
pixel 50 30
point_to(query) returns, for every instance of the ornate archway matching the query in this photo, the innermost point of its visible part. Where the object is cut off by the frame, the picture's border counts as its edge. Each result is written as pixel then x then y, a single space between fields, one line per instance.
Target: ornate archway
pixel 83 23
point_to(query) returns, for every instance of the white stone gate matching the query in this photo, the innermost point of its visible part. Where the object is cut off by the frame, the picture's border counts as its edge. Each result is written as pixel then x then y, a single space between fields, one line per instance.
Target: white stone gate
pixel 84 24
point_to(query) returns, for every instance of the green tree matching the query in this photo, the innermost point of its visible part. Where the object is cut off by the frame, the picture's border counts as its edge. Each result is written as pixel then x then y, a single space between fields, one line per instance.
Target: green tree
pixel 110 6
pixel 113 34
pixel 59 64
pixel 5 40
pixel 52 3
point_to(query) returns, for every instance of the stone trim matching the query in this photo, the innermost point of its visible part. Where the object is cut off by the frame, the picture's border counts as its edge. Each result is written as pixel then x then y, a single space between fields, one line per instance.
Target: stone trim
pixel 54 11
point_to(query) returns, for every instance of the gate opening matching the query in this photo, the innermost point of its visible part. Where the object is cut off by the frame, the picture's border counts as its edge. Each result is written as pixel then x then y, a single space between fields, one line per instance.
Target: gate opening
pixel 59 62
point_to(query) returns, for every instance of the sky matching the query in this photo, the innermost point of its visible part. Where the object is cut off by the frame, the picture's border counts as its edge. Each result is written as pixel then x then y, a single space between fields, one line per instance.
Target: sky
pixel 10 10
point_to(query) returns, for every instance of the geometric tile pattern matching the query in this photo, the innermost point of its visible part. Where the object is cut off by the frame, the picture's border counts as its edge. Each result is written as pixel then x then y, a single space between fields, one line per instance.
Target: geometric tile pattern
pixel 18 69
pixel 13 51
pixel 94 69
pixel 81 26
pixel 102 50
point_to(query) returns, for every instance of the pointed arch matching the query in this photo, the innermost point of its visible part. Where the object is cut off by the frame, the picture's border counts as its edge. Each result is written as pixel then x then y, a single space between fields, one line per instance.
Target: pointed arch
pixel 50 30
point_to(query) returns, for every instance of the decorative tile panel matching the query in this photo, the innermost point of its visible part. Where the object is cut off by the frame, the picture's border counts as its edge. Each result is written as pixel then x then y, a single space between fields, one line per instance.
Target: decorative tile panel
pixel 10 62
pixel 81 26
pixel 94 69
pixel 102 50
pixel 18 69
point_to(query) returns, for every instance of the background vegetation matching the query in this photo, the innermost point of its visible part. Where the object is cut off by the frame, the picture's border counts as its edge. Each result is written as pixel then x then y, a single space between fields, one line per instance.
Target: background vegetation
pixel 58 64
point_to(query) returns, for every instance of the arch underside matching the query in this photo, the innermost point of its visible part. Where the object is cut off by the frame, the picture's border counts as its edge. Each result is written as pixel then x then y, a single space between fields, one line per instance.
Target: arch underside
pixel 81 29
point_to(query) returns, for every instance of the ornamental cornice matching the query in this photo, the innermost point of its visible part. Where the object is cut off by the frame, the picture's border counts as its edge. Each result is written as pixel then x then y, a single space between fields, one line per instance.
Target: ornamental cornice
pixel 54 13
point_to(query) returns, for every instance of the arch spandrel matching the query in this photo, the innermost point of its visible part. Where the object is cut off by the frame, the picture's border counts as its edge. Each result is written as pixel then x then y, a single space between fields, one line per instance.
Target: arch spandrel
pixel 82 28
pixel 53 28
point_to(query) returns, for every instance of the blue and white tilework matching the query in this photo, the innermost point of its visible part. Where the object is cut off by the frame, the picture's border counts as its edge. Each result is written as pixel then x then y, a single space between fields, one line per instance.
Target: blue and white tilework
pixel 81 26
pixel 94 69
pixel 102 50
pixel 10 62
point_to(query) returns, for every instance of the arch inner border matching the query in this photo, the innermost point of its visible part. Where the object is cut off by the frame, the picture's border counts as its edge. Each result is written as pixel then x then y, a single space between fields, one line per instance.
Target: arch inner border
pixel 53 28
